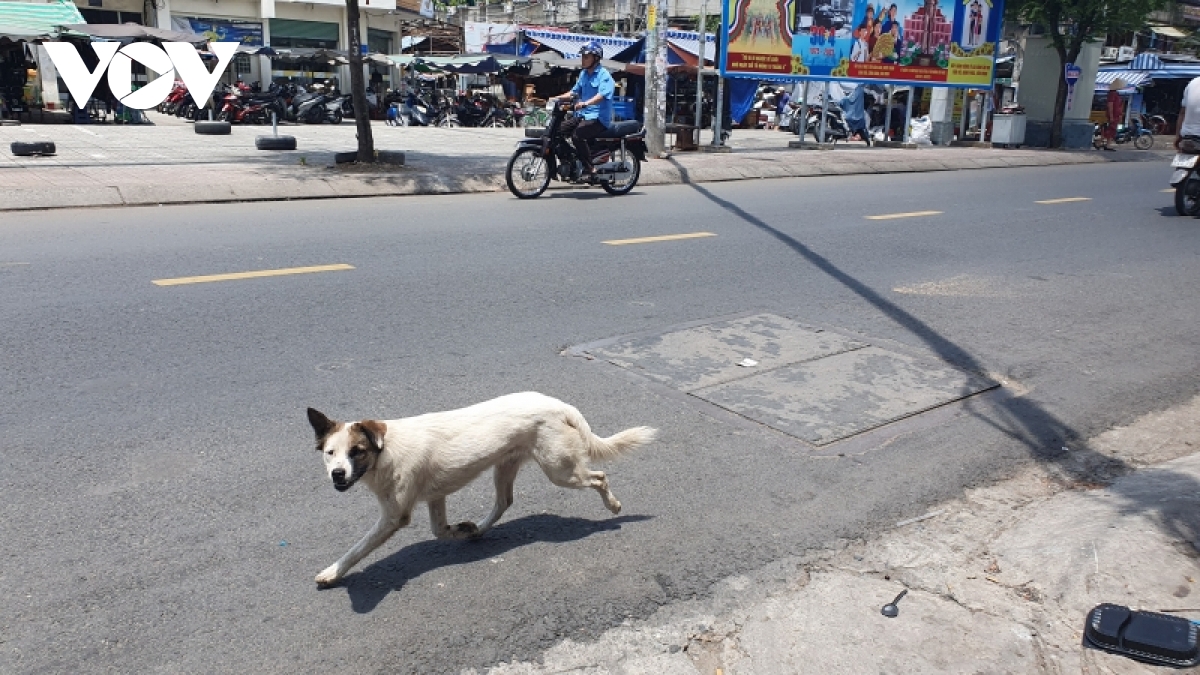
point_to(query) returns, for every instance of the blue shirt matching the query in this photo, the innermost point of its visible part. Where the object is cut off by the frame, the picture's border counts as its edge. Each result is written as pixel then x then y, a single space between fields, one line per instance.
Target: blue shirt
pixel 598 81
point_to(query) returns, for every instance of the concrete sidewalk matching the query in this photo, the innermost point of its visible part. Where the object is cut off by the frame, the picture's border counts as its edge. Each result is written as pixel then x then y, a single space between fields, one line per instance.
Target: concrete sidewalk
pixel 999 581
pixel 111 165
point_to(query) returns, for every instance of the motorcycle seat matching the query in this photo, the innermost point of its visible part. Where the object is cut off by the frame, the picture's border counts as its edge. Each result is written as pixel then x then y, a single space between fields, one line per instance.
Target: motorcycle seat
pixel 626 129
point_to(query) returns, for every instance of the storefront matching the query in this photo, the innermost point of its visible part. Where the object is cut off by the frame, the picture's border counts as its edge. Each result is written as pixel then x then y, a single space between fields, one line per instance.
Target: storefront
pixel 28 79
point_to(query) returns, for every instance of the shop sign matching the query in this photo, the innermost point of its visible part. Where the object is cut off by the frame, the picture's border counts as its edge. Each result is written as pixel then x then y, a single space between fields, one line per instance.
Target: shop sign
pixel 173 60
pixel 249 33
pixel 917 42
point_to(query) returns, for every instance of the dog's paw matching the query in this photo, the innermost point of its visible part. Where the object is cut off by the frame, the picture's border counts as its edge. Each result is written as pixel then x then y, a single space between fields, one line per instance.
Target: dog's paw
pixel 465 530
pixel 328 576
pixel 615 507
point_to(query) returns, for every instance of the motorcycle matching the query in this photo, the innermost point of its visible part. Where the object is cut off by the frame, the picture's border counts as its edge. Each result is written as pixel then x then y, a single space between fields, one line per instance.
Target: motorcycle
pixel 1185 179
pixel 547 153
pixel 1143 138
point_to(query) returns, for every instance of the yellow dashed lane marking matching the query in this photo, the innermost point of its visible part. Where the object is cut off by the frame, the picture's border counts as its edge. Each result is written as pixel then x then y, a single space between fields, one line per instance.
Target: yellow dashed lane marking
pixel 251 275
pixel 668 237
pixel 1064 200
pixel 914 214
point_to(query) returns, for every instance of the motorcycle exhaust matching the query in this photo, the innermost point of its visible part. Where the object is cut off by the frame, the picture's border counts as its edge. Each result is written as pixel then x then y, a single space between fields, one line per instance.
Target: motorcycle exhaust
pixel 614 171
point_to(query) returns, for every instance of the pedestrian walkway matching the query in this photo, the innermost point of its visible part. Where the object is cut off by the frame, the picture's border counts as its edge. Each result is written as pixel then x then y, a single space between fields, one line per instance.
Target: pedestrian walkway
pixel 113 165
pixel 999 581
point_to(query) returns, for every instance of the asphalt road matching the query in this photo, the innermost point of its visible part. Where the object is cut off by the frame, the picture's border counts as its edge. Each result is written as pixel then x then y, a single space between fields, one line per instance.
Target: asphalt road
pixel 164 509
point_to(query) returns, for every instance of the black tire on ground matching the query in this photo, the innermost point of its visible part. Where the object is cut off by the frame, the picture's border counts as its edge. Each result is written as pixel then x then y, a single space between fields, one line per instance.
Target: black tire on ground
pixel 345 157
pixel 1185 204
pixel 207 128
pixel 23 149
pixel 395 157
pixel 626 186
pixel 275 142
pixel 528 174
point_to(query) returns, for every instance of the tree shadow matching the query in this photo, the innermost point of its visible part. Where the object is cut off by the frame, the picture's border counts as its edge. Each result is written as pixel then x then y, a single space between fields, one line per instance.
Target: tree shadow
pixel 368 587
pixel 1045 437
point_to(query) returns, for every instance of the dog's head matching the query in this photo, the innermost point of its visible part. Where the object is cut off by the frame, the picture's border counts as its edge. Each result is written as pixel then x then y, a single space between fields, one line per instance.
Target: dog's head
pixel 350 449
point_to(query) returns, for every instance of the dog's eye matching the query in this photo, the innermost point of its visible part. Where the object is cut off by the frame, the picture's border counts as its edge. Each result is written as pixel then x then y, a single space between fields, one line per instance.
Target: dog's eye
pixel 329 452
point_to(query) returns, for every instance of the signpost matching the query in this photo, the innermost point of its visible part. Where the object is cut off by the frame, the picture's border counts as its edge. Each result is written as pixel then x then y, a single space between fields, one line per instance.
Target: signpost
pixel 1073 73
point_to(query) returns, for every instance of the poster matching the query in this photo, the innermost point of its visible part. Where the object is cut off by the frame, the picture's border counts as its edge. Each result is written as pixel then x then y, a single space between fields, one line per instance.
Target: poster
pixel 249 33
pixel 922 42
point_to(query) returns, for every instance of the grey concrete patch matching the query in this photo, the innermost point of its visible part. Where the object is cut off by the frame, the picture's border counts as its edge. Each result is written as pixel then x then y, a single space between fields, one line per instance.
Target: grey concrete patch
pixel 707 355
pixel 831 398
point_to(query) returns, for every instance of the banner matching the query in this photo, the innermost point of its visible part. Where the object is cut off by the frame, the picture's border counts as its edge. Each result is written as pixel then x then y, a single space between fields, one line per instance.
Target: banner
pixel 921 42
pixel 249 33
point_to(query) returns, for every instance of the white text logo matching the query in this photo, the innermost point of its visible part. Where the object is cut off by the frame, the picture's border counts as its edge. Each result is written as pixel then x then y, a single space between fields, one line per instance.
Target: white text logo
pixel 180 59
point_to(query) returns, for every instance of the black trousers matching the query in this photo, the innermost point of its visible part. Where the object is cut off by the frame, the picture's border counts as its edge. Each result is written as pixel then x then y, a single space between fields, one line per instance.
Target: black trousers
pixel 582 133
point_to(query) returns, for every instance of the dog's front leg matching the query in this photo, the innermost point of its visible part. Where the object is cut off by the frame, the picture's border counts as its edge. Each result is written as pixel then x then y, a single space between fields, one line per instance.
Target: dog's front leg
pixel 441 529
pixel 391 520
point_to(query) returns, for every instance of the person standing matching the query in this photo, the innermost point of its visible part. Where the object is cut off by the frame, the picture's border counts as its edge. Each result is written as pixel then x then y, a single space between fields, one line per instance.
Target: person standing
pixel 1115 108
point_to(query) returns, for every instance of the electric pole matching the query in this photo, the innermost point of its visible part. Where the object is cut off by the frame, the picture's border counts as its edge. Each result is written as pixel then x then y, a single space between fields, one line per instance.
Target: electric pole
pixel 656 76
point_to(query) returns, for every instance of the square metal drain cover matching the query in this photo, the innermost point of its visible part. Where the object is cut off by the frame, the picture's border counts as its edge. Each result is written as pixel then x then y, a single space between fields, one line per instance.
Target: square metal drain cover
pixel 811 384
pixel 705 355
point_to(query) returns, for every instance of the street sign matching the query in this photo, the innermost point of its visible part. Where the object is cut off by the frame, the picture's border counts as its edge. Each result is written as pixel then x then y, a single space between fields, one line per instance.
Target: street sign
pixel 1072 73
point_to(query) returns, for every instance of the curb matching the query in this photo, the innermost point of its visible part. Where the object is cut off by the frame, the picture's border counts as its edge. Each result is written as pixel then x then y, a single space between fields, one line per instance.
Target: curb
pixel 334 186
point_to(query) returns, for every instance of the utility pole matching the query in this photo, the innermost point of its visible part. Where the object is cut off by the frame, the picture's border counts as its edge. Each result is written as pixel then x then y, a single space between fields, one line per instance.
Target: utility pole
pixel 702 37
pixel 358 85
pixel 656 76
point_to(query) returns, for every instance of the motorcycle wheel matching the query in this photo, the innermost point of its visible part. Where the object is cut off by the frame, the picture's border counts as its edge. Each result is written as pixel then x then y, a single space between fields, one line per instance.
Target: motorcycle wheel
pixel 1143 142
pixel 1187 204
pixel 528 174
pixel 449 121
pixel 335 117
pixel 623 187
pixel 224 116
pixel 495 123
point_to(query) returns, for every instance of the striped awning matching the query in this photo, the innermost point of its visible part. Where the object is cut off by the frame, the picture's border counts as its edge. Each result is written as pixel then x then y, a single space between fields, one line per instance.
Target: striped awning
pixel 31 21
pixel 689 42
pixel 569 44
pixel 1133 79
pixel 1146 62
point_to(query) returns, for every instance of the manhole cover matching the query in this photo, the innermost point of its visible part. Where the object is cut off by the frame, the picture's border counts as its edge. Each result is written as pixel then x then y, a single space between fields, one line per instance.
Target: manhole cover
pixel 817 386
pixel 829 399
pixel 702 356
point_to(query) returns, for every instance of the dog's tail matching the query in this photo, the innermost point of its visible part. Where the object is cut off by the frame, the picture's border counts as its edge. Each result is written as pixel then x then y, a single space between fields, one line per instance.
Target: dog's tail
pixel 614 446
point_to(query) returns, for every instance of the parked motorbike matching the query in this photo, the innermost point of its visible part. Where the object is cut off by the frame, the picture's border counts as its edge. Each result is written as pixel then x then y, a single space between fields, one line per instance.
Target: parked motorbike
pixel 1185 179
pixel 1142 138
pixel 835 125
pixel 548 153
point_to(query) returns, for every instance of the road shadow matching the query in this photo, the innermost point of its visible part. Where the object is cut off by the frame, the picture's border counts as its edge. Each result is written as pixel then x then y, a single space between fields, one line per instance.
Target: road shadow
pixel 368 587
pixel 1047 439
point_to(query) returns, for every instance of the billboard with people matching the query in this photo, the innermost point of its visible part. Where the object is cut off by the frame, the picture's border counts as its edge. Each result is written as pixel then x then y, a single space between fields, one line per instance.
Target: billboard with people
pixel 929 42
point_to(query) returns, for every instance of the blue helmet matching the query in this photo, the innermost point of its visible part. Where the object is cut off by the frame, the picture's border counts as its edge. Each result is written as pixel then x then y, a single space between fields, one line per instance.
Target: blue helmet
pixel 592 48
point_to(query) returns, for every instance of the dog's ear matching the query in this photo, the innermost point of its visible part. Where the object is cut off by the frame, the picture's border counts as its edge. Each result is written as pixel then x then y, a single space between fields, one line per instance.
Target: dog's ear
pixel 374 431
pixel 321 424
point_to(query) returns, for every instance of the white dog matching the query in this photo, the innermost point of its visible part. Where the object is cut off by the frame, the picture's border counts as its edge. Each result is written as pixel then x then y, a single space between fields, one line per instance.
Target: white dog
pixel 425 458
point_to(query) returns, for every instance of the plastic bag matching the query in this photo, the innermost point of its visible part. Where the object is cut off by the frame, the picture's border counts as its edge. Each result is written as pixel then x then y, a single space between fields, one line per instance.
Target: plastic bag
pixel 920 129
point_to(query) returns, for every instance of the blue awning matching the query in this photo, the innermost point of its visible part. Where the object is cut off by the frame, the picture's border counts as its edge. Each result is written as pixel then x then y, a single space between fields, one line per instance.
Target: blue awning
pixel 1133 79
pixel 569 44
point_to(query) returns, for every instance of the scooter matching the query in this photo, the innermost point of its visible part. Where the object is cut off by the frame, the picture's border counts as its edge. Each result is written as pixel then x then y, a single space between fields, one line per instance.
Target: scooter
pixel 548 153
pixel 1185 179
pixel 1143 138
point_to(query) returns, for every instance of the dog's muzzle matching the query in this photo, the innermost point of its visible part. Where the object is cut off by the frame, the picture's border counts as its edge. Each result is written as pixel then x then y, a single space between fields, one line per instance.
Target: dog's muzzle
pixel 341 482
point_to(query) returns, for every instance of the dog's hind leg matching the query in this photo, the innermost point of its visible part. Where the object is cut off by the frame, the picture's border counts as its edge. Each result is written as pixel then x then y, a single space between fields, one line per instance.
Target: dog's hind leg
pixel 442 529
pixel 579 476
pixel 505 474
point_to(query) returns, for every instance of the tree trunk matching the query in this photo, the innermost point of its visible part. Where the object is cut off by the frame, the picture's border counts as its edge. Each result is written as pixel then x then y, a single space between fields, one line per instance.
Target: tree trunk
pixel 358 87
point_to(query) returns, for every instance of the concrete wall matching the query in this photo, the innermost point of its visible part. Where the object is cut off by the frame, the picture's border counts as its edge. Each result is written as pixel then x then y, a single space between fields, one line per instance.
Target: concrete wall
pixel 1038 89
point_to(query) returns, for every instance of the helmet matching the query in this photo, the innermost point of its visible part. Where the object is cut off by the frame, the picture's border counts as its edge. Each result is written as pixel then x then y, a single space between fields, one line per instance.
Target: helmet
pixel 592 48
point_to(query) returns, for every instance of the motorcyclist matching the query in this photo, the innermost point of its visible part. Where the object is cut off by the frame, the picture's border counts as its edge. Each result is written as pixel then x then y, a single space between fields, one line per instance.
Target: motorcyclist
pixel 594 88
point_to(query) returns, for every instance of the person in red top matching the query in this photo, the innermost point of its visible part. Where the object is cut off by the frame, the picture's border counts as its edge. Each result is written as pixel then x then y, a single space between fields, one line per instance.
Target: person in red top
pixel 1116 112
